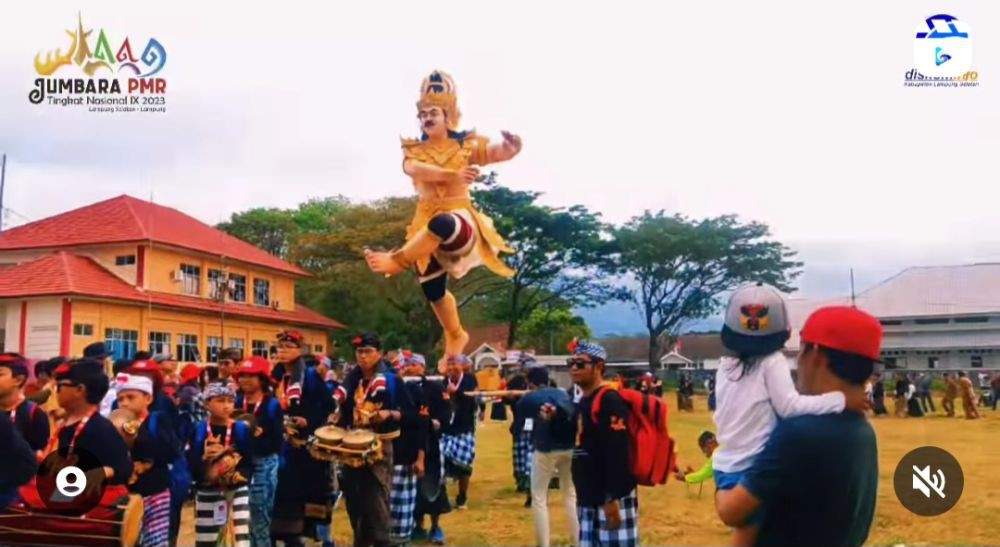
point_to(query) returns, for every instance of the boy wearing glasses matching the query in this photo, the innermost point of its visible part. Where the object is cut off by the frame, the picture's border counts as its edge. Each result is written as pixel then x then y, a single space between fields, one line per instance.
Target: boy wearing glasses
pixel 607 505
pixel 370 398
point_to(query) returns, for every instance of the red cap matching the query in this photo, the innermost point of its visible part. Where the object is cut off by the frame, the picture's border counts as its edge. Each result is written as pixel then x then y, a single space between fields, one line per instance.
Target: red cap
pixel 190 373
pixel 149 369
pixel 845 329
pixel 255 365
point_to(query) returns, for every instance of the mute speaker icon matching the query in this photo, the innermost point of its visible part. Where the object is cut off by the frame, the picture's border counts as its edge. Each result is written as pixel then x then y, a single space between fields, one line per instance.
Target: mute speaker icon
pixel 925 481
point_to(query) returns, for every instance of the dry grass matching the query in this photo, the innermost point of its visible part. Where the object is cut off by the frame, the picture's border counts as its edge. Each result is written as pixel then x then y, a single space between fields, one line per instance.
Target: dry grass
pixel 676 515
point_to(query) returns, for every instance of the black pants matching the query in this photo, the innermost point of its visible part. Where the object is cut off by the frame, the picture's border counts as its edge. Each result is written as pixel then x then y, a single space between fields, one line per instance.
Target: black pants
pixel 366 492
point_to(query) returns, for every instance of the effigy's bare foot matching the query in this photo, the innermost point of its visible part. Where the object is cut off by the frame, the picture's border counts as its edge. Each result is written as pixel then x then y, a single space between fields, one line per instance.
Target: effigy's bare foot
pixel 382 262
pixel 455 345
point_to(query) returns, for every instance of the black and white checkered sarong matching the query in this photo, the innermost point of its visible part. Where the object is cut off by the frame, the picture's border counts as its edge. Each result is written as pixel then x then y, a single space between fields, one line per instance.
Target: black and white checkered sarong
pixel 524 449
pixel 402 499
pixel 459 450
pixel 594 525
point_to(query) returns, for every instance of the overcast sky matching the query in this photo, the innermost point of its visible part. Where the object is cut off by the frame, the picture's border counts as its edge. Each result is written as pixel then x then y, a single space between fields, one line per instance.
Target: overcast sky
pixel 790 113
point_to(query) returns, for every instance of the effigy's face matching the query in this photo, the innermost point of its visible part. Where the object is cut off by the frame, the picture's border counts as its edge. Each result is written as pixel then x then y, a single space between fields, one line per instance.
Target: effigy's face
pixel 433 121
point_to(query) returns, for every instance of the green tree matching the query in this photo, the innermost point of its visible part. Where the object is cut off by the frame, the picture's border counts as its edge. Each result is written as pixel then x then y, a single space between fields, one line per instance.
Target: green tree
pixel 272 229
pixel 679 268
pixel 560 256
pixel 549 330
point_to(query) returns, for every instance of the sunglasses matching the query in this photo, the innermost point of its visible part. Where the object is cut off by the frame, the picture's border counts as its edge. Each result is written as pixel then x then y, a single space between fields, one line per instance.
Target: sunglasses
pixel 578 363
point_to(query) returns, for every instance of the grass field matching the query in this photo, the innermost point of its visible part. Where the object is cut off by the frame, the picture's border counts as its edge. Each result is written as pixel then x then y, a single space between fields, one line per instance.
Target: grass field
pixel 676 515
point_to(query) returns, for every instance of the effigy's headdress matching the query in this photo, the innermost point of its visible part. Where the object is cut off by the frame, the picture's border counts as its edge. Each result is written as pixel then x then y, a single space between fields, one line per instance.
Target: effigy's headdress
pixel 438 90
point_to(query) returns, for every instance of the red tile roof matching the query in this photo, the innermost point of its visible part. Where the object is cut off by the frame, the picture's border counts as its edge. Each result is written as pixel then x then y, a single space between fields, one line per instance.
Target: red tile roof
pixel 67 274
pixel 128 219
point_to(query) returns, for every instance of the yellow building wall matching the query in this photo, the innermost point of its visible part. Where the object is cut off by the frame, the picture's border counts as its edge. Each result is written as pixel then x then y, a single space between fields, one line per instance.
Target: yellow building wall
pixel 105 256
pixel 161 263
pixel 101 316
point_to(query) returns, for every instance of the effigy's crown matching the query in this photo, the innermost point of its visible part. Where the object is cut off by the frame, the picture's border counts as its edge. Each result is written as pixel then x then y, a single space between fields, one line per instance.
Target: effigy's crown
pixel 438 89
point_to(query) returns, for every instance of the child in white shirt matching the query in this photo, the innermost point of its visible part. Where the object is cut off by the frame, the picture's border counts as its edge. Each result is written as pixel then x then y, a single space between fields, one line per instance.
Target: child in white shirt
pixel 754 388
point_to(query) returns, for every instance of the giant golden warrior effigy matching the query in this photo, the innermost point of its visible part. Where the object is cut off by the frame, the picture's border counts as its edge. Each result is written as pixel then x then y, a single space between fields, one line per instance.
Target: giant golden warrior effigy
pixel 448 236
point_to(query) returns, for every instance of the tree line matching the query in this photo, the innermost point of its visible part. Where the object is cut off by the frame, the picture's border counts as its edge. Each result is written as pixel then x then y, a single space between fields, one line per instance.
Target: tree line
pixel 672 268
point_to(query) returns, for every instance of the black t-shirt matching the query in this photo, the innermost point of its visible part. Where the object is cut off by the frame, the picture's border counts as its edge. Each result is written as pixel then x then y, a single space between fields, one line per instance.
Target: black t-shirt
pixel 817 479
pixel 601 470
pixel 101 440
pixel 414 424
pixel 270 419
pixel 18 459
pixel 158 447
pixel 464 419
pixel 33 424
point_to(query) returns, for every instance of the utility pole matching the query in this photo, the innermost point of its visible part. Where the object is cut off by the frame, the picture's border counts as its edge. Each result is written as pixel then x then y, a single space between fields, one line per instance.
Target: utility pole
pixel 853 305
pixel 3 176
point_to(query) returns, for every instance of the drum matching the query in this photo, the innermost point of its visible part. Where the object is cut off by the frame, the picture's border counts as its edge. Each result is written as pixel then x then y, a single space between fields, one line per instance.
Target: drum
pixel 324 440
pixel 357 448
pixel 115 522
pixel 359 439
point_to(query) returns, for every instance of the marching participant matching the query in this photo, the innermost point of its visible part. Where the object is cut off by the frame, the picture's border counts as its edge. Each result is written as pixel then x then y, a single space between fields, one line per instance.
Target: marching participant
pixel 27 417
pixel 432 496
pixel 459 440
pixel 369 398
pixel 154 448
pixel 81 386
pixel 220 456
pixel 521 439
pixel 409 450
pixel 254 399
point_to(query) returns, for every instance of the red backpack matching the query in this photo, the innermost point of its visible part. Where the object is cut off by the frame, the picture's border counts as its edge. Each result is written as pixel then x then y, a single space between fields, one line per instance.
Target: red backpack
pixel 652 449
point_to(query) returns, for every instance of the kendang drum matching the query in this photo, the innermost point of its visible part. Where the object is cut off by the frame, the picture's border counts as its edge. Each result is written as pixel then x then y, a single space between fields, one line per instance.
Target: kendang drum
pixel 324 441
pixel 357 448
pixel 115 522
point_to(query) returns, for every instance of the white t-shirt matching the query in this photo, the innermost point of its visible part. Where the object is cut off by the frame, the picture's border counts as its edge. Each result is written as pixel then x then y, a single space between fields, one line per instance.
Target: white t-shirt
pixel 747 408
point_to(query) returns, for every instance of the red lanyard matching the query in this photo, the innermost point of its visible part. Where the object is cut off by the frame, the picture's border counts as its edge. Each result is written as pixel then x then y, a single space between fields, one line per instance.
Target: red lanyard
pixel 78 431
pixel 229 432
pixel 256 409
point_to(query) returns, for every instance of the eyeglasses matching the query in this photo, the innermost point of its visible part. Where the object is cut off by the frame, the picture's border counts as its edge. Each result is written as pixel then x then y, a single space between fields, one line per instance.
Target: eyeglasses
pixel 577 363
pixel 60 385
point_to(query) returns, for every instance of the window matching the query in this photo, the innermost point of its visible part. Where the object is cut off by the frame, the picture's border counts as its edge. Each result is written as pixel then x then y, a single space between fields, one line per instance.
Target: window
pixel 932 362
pixel 213 347
pixel 216 287
pixel 262 292
pixel 126 260
pixel 976 361
pixel 191 279
pixel 259 348
pixel 891 323
pixel 318 349
pixel 890 362
pixel 972 319
pixel 83 329
pixel 237 288
pixel 187 348
pixel 159 342
pixel 121 343
pixel 932 321
pixel 237 343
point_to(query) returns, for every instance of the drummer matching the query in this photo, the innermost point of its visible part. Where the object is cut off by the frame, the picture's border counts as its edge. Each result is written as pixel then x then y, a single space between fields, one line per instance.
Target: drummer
pixel 154 449
pixel 370 398
pixel 255 399
pixel 302 502
pixel 80 387
pixel 432 495
pixel 409 449
pixel 28 417
pixel 459 440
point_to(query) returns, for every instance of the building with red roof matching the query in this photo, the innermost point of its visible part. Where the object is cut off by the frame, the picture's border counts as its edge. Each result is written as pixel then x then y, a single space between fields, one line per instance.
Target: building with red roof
pixel 141 276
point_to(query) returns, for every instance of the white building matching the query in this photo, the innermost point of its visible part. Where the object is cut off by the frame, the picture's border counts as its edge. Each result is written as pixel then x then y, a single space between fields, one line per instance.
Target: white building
pixel 943 317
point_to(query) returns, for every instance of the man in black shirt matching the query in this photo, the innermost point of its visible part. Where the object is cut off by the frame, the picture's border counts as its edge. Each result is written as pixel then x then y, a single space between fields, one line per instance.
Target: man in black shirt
pixel 103 456
pixel 432 493
pixel 459 440
pixel 370 398
pixel 605 488
pixel 522 449
pixel 254 399
pixel 30 420
pixel 19 463
pixel 878 394
pixel 409 450
pixel 817 477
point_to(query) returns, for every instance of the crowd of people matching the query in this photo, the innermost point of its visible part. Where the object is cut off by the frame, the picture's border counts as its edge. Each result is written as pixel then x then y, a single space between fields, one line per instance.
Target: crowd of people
pixel 236 437
pixel 913 394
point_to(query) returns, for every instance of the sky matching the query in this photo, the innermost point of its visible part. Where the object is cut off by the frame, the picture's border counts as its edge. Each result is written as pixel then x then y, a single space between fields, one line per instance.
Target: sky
pixel 789 113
